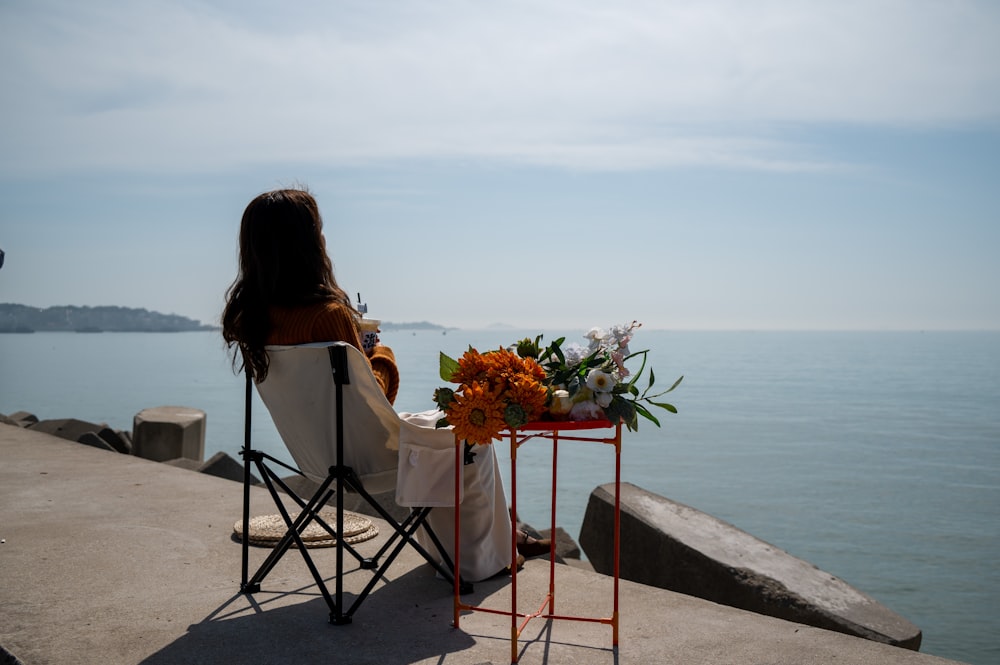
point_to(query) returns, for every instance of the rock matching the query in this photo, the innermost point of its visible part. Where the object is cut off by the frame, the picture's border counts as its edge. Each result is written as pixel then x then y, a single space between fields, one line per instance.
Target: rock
pixel 669 545
pixel 167 432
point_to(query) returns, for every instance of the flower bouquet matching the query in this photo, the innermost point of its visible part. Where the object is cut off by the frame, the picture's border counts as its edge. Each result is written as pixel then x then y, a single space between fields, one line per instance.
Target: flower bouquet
pixel 509 387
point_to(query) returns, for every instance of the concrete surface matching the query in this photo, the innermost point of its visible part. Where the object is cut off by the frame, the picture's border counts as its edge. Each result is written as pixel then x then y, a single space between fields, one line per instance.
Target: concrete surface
pixel 109 558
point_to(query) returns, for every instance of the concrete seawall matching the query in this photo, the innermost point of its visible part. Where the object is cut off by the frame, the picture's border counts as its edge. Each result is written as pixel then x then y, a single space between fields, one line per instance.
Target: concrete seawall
pixel 108 558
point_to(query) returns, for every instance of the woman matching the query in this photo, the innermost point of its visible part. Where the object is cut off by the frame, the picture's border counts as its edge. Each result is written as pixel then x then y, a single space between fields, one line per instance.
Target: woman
pixel 285 292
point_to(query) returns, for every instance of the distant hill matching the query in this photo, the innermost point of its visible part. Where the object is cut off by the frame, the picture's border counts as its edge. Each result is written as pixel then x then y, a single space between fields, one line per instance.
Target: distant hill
pixel 22 318
pixel 422 325
pixel 25 319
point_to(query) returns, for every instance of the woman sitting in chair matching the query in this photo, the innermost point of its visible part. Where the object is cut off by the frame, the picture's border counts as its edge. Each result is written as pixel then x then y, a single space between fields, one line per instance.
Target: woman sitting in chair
pixel 286 294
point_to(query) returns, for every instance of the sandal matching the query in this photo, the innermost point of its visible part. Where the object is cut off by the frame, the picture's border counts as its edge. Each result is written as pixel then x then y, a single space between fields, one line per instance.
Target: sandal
pixel 530 546
pixel 520 563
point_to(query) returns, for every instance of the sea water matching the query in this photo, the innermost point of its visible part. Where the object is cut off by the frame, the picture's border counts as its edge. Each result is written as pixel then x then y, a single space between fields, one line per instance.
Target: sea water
pixel 875 456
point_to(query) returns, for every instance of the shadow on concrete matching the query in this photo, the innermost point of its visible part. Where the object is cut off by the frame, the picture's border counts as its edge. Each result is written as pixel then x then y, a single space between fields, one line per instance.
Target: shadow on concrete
pixel 542 640
pixel 408 619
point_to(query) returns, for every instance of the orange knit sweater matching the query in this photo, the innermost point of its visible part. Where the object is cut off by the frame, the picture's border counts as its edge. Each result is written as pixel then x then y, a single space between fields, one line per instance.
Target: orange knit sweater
pixel 332 322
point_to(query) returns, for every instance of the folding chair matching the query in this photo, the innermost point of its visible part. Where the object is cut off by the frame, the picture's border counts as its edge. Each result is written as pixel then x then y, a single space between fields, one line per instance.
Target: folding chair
pixel 343 434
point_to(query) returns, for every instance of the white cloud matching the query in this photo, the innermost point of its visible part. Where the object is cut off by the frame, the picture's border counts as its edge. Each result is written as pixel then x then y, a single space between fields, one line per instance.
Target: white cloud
pixel 571 84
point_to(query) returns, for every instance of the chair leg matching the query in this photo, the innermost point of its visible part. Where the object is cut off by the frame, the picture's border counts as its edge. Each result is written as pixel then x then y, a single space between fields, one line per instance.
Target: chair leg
pixel 403 533
pixel 407 530
pixel 245 587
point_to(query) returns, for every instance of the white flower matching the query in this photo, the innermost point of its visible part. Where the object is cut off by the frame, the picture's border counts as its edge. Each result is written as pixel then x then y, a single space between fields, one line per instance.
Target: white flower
pixel 597 337
pixel 586 411
pixel 600 381
pixel 574 353
pixel 604 399
pixel 621 336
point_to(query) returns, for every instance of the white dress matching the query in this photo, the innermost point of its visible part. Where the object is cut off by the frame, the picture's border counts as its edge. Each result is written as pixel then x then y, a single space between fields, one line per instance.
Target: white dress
pixel 426 477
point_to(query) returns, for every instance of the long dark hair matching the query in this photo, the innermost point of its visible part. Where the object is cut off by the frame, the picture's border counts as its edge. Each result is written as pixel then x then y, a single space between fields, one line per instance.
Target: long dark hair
pixel 283 262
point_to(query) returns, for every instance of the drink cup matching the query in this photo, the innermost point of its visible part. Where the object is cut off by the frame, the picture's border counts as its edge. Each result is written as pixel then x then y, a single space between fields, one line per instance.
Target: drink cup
pixel 369 333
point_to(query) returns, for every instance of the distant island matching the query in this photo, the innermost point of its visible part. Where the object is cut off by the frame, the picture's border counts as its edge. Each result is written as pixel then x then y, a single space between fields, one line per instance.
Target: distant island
pixel 422 325
pixel 68 318
pixel 25 319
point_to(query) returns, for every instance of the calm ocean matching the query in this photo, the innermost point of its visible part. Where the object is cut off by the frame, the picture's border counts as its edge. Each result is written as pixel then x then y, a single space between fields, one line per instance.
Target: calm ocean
pixel 875 456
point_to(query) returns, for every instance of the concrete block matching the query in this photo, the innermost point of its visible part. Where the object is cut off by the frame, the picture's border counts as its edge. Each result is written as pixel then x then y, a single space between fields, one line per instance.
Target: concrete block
pixel 184 463
pixel 70 429
pixel 222 465
pixel 387 500
pixel 566 547
pixel 167 432
pixel 23 418
pixel 669 545
pixel 91 439
pixel 116 440
pixel 301 485
pixel 305 488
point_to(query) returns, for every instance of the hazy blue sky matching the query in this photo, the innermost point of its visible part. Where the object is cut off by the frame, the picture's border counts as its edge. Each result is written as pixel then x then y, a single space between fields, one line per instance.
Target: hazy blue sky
pixel 552 164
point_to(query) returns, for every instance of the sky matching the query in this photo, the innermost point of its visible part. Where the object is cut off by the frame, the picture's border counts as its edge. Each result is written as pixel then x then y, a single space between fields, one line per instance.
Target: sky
pixel 550 164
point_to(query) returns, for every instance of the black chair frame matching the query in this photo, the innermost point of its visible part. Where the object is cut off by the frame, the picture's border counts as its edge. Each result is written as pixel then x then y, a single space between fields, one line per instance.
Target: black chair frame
pixel 340 479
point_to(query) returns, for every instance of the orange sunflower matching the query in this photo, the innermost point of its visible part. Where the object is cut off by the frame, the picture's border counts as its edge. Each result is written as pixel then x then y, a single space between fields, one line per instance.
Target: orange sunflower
pixel 473 367
pixel 530 395
pixel 476 413
pixel 509 365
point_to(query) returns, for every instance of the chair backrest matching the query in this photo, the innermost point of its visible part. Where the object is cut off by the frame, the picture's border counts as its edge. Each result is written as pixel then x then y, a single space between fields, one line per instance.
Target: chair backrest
pixel 299 392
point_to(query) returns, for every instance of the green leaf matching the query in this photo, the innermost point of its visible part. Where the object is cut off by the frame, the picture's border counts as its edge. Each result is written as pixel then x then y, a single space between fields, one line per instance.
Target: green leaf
pixel 642 367
pixel 644 412
pixel 660 394
pixel 629 416
pixel 448 367
pixel 663 405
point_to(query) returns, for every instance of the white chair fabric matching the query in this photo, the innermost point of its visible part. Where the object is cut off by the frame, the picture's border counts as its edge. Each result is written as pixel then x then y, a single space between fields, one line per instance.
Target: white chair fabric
pixel 387 450
pixel 299 394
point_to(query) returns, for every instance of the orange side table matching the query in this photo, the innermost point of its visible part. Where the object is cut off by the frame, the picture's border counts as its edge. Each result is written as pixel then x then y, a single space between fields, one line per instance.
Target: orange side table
pixel 553 431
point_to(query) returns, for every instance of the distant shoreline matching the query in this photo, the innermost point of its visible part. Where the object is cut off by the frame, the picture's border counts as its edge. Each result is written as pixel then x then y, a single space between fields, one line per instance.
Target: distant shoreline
pixel 16 318
pixel 28 331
